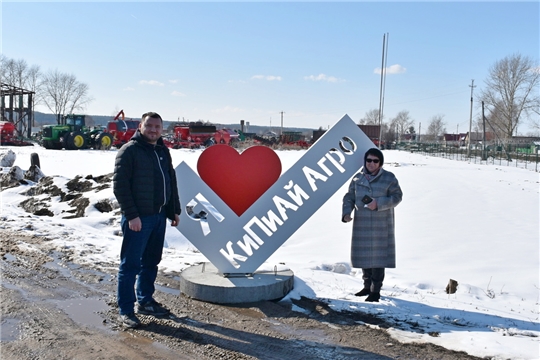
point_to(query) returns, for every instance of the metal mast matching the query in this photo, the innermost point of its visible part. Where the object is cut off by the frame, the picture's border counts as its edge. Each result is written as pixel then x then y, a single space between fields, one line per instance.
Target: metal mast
pixel 383 84
pixel 470 121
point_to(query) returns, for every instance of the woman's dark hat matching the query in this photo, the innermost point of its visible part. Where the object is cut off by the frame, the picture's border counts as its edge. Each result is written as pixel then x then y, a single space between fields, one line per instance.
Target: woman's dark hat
pixel 375 152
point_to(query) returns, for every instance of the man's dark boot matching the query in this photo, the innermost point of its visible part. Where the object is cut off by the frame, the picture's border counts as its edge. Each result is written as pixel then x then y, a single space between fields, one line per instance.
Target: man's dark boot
pixel 373 297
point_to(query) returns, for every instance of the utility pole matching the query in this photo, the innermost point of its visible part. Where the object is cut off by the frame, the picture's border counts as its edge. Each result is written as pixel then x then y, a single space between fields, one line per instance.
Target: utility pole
pixel 470 121
pixel 419 131
pixel 383 84
pixel 281 131
pixel 484 157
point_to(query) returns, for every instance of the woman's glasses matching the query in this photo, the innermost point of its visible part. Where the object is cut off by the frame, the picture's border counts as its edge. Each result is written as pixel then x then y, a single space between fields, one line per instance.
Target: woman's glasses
pixel 376 161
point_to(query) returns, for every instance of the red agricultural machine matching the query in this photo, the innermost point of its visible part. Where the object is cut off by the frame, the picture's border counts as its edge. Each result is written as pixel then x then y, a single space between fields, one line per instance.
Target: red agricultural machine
pixel 121 129
pixel 8 135
pixel 294 138
pixel 197 134
pixel 288 139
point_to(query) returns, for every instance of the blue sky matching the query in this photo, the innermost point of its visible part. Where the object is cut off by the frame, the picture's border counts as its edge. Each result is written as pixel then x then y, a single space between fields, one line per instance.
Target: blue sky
pixel 315 61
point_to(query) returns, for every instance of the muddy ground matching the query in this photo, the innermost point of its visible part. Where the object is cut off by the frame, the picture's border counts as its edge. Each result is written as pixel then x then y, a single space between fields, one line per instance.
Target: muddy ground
pixel 52 308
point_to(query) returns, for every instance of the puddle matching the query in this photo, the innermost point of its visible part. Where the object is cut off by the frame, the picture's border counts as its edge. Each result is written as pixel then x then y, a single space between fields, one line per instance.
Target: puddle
pixel 84 311
pixel 103 277
pixel 139 341
pixel 253 313
pixel 9 257
pixel 10 286
pixel 56 265
pixel 66 269
pixel 62 270
pixel 9 330
pixel 167 290
pixel 318 335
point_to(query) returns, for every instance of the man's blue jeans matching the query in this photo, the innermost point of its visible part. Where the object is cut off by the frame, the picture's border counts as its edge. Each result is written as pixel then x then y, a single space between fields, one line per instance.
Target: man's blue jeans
pixel 139 258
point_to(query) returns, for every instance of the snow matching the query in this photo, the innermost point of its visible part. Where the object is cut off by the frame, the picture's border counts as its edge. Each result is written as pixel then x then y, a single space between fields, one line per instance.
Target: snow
pixel 475 223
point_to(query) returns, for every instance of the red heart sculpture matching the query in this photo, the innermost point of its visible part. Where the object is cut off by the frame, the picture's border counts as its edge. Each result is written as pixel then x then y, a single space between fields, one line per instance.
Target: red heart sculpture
pixel 239 179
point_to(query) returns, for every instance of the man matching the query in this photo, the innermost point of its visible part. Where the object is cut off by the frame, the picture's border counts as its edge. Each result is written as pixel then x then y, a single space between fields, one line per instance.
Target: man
pixel 144 184
pixel 373 194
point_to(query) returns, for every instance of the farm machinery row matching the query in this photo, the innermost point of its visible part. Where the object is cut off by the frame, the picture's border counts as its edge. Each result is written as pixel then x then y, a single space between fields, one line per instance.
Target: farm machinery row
pixel 73 133
pixel 184 135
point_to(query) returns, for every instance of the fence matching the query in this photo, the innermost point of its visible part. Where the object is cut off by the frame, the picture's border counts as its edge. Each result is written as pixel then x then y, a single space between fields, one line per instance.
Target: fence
pixel 516 156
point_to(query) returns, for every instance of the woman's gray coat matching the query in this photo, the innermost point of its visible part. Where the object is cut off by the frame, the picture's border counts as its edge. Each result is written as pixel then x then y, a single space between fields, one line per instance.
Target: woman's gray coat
pixel 373 241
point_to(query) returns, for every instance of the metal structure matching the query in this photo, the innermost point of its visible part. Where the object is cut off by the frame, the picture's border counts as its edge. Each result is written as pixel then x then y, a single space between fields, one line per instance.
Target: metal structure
pixel 16 106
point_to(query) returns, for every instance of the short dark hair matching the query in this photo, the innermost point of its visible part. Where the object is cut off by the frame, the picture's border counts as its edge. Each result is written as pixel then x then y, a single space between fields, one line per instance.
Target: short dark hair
pixel 151 114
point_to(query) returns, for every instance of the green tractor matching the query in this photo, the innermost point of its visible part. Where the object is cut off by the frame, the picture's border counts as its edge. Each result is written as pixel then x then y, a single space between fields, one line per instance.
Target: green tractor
pixel 73 134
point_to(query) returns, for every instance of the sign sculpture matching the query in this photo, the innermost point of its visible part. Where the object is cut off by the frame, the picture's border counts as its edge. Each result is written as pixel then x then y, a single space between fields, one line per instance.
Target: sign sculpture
pixel 240 210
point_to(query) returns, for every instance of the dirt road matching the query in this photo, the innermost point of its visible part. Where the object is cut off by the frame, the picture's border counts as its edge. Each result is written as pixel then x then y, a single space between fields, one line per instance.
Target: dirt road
pixel 52 308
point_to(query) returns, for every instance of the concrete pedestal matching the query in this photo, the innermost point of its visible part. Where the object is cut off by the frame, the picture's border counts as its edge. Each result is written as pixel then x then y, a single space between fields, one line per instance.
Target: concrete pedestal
pixel 203 282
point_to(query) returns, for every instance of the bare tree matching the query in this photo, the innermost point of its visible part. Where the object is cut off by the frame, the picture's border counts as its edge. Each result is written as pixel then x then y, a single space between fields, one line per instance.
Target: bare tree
pixel 436 128
pixel 19 70
pixel 411 131
pixel 496 122
pixel 370 118
pixel 511 92
pixel 3 60
pixel 388 134
pixel 401 123
pixel 5 69
pixel 17 73
pixel 63 94
pixel 10 70
pixel 535 119
pixel 33 83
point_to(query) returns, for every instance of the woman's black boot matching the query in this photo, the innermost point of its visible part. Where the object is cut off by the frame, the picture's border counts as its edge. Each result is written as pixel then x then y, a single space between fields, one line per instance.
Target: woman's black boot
pixel 373 297
pixel 365 291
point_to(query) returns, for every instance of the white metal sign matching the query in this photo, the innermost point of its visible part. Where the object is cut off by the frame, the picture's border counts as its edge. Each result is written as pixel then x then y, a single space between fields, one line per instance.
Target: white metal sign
pixel 240 244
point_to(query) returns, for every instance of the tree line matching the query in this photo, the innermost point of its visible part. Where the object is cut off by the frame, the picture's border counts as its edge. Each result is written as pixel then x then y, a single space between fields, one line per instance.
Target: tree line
pixel 510 97
pixel 60 92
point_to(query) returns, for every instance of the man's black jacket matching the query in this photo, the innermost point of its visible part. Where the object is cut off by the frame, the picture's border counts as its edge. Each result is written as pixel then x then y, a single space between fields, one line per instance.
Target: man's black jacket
pixel 144 179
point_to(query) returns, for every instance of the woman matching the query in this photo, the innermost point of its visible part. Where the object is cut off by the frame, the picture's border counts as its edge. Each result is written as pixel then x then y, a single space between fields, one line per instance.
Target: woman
pixel 373 194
